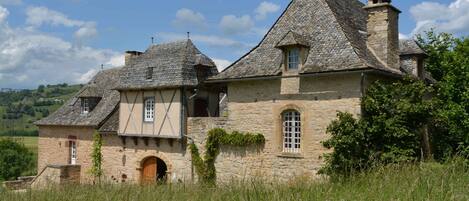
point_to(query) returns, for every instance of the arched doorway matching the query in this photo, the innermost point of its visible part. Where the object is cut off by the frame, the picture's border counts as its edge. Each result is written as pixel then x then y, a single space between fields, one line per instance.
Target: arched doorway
pixel 153 170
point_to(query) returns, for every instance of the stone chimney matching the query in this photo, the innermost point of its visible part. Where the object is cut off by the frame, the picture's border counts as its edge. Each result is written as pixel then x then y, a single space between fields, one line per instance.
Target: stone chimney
pixel 383 31
pixel 130 55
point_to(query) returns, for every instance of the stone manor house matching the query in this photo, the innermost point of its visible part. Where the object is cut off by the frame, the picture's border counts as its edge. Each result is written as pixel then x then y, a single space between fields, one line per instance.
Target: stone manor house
pixel 318 58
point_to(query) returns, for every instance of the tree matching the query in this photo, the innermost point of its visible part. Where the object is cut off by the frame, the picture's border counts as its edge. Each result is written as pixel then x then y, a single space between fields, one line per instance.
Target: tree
pixel 448 62
pixel 389 130
pixel 15 159
pixel 41 88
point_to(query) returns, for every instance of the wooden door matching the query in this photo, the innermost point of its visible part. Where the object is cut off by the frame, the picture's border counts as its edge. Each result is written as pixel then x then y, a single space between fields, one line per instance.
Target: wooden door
pixel 149 170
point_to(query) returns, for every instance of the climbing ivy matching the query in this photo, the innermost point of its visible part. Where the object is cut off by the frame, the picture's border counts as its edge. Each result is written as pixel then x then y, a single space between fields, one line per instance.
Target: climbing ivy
pixel 97 156
pixel 205 168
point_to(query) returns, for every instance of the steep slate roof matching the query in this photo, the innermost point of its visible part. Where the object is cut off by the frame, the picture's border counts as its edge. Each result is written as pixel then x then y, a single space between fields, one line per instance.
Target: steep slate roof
pixel 111 125
pixel 410 47
pixel 173 66
pixel 70 113
pixel 336 33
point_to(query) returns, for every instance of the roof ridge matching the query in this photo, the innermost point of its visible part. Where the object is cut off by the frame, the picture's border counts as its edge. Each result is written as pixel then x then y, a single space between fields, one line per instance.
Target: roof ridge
pixel 265 36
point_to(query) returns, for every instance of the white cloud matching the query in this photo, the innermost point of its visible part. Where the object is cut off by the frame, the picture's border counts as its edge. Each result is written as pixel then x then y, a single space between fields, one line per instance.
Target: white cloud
pixel 10 2
pixel 37 16
pixel 452 18
pixel 264 9
pixel 87 76
pixel 3 14
pixel 118 60
pixel 30 58
pixel 231 24
pixel 221 63
pixel 188 18
pixel 88 30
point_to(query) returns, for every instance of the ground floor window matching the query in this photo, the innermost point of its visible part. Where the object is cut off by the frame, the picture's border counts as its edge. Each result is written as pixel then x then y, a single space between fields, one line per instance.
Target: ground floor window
pixel 73 152
pixel 291 131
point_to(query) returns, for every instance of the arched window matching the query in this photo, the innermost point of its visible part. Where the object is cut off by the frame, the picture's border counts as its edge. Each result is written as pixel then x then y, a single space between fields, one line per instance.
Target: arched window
pixel 291 131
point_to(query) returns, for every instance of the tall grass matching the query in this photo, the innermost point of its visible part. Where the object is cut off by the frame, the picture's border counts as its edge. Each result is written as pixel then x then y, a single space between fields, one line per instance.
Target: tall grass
pixel 408 182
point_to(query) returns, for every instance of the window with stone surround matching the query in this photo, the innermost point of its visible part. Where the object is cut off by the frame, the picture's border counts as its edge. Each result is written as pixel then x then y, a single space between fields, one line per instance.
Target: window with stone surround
pixel 149 109
pixel 291 120
pixel 293 59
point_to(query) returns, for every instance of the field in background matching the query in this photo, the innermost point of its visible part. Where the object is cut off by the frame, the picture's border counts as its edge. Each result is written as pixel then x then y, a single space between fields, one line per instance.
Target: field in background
pixel 20 109
pixel 408 182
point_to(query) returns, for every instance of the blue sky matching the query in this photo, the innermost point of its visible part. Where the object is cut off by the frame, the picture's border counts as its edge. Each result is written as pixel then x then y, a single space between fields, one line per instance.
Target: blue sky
pixel 54 41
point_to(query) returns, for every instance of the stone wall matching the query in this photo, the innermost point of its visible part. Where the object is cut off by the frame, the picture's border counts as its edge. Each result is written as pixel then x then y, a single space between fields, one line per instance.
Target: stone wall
pixel 53 147
pixel 57 175
pixel 257 106
pixel 254 106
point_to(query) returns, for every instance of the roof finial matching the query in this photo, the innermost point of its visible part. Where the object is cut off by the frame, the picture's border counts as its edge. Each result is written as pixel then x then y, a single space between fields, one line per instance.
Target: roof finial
pixel 188 35
pixel 152 40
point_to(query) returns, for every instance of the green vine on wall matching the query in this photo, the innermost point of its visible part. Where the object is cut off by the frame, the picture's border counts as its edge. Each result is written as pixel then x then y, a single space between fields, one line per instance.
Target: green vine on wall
pixel 205 168
pixel 97 156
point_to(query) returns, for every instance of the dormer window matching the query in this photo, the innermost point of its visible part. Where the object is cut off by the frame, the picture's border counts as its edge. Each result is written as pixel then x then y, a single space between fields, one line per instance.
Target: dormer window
pixel 149 73
pixel 85 106
pixel 293 58
pixel 88 104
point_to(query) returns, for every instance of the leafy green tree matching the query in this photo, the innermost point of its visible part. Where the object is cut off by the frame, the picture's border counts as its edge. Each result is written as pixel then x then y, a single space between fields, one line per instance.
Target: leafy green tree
pixel 15 159
pixel 448 62
pixel 389 131
pixel 41 88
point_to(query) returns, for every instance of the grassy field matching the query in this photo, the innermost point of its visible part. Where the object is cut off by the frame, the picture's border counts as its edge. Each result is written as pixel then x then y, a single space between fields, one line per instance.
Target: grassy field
pixel 422 182
pixel 24 124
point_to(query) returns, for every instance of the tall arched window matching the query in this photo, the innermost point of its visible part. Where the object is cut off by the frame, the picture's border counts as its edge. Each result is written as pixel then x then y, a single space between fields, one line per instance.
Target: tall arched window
pixel 291 131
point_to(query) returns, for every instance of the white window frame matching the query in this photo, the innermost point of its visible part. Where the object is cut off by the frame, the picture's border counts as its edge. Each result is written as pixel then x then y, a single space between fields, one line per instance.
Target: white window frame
pixel 293 59
pixel 73 152
pixel 85 107
pixel 291 125
pixel 149 109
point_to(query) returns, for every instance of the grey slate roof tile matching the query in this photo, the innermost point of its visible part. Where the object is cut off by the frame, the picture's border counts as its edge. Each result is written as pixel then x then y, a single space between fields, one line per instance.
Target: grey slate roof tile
pixel 410 47
pixel 336 34
pixel 173 66
pixel 70 113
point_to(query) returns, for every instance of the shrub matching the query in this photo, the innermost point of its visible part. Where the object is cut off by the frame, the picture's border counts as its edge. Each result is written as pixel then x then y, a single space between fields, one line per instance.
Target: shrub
pixel 15 159
pixel 389 131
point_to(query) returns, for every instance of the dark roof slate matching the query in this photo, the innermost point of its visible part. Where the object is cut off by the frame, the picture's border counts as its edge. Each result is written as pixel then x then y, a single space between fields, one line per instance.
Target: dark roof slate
pixel 70 113
pixel 410 47
pixel 111 125
pixel 336 33
pixel 173 66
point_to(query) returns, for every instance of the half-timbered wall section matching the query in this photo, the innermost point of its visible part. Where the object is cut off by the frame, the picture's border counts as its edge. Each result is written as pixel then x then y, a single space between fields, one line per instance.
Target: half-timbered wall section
pixel 167 114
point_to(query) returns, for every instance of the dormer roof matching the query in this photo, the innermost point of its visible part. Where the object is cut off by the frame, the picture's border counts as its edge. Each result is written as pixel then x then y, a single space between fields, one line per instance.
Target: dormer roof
pixel 293 39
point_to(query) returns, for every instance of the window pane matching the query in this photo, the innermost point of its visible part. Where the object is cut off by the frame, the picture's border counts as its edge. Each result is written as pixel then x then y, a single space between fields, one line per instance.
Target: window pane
pixel 293 58
pixel 291 131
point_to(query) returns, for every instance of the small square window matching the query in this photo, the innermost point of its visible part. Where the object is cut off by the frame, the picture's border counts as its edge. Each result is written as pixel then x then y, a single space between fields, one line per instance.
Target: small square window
pixel 149 110
pixel 293 59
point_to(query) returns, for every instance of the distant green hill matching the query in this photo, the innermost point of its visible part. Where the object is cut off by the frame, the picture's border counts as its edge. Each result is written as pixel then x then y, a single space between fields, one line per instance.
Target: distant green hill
pixel 19 109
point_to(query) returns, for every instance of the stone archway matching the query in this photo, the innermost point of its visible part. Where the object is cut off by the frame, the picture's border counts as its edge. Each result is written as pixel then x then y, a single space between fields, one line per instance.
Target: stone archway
pixel 153 170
